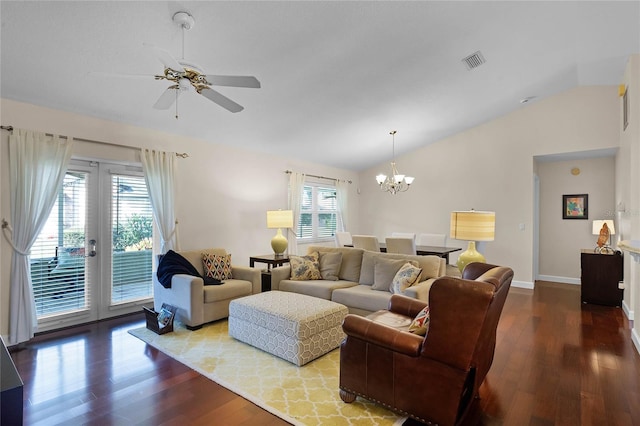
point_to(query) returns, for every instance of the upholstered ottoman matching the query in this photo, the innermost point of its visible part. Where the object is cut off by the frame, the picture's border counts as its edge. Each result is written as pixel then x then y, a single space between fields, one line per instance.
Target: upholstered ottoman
pixel 292 326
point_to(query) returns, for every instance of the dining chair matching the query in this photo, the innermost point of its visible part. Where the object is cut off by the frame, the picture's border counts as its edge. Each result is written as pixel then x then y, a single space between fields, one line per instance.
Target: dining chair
pixel 401 245
pixel 437 240
pixel 367 242
pixel 343 239
pixel 411 235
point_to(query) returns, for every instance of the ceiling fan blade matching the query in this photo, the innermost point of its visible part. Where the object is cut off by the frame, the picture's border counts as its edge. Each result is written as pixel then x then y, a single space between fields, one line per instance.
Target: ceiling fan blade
pixel 165 57
pixel 234 81
pixel 221 100
pixel 167 98
pixel 118 75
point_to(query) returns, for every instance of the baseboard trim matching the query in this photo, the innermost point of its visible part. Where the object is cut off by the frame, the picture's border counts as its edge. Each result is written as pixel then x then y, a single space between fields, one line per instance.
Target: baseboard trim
pixel 628 312
pixel 564 280
pixel 522 284
pixel 635 338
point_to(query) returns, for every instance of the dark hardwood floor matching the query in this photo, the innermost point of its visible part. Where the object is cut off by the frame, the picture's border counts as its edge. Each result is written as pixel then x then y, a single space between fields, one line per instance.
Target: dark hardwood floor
pixel 557 362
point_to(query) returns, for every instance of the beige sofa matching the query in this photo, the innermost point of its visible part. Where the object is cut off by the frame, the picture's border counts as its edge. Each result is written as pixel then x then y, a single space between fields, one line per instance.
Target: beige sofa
pixel 354 288
pixel 198 304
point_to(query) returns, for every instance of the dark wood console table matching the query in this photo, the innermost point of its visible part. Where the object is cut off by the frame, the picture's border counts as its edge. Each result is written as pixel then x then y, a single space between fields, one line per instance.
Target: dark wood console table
pixel 270 260
pixel 600 277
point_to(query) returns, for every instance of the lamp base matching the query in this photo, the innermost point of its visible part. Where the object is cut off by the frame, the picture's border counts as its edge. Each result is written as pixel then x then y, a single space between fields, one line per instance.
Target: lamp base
pixel 469 255
pixel 279 243
pixel 605 249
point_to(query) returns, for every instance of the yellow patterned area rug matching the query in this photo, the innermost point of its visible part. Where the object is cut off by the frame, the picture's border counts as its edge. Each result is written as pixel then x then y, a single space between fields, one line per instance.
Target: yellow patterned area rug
pixel 306 395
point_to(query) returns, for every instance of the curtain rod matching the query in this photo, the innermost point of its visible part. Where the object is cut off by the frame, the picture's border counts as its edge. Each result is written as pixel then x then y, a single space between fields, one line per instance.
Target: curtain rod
pixel 321 177
pixel 178 154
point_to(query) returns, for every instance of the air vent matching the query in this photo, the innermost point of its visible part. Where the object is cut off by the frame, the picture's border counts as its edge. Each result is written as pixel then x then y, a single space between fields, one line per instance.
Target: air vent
pixel 474 60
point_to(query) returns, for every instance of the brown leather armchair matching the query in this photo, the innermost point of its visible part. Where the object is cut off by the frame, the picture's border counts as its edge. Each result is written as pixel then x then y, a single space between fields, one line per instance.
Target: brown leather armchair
pixel 432 379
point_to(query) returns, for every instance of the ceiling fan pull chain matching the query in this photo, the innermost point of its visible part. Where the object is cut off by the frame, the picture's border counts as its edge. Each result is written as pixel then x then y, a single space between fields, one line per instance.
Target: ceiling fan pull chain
pixel 176 104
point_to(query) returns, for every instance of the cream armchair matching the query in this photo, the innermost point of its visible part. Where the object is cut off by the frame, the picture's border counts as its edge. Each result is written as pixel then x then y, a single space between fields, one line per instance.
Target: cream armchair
pixel 198 304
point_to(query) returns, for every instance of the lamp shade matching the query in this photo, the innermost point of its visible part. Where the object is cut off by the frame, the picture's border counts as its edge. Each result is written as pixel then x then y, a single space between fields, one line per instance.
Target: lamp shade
pixel 473 225
pixel 597 226
pixel 279 219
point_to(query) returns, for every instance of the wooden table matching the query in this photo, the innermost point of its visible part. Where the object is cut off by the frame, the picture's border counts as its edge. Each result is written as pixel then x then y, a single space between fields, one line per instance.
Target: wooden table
pixel 425 250
pixel 270 260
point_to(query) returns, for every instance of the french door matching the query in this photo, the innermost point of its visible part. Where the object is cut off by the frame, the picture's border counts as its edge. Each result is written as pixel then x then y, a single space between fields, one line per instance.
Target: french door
pixel 93 258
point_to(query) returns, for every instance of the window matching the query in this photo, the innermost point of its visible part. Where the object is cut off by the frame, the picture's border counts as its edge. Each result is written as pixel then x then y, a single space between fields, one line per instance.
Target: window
pixel 318 213
pixel 132 233
pixel 58 254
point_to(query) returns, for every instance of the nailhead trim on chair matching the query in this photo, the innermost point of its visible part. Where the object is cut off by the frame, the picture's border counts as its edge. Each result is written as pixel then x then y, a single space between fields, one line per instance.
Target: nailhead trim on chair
pixel 397 410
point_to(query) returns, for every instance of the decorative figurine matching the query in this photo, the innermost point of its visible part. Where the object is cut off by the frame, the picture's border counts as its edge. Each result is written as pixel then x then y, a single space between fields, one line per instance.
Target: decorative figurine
pixel 603 240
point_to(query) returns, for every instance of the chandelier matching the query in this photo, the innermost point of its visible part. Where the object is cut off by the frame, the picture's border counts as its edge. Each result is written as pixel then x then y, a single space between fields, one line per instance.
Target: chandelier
pixel 395 182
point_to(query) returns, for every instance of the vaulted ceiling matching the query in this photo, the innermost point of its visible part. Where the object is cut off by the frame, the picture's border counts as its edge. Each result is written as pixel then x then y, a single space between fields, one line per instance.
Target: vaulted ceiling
pixel 336 76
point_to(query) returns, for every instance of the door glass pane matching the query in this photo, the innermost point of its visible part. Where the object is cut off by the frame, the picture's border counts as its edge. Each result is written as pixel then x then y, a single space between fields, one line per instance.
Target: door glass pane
pixel 57 256
pixel 132 231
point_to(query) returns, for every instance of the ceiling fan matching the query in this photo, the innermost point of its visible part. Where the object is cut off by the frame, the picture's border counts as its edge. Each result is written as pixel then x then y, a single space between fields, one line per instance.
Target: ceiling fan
pixel 185 75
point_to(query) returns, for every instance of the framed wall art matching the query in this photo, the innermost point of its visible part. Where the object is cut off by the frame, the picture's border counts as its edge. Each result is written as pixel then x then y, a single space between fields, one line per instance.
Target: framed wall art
pixel 575 206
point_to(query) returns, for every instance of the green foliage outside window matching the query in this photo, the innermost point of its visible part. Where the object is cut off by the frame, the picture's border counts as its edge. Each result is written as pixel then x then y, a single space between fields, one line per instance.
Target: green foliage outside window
pixel 136 233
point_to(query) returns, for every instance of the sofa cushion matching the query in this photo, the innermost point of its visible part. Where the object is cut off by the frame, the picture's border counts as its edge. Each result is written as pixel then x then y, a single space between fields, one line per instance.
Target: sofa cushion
pixel 405 277
pixel 317 288
pixel 362 298
pixel 420 324
pixel 330 265
pixel 351 260
pixel 432 266
pixel 231 289
pixel 384 272
pixel 217 266
pixel 305 267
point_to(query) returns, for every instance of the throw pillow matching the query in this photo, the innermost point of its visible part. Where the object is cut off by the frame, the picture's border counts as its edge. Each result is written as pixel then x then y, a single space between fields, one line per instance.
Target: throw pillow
pixel 406 276
pixel 420 324
pixel 384 270
pixel 305 267
pixel 330 263
pixel 216 266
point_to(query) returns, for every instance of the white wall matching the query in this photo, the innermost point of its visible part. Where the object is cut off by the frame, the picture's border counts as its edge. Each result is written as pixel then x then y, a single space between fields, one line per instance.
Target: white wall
pixel 223 192
pixel 562 239
pixel 628 190
pixel 490 167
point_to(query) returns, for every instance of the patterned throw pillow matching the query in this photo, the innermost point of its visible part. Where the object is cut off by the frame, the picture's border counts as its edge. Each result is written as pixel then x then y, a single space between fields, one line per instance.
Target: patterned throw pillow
pixel 305 268
pixel 216 266
pixel 420 324
pixel 405 277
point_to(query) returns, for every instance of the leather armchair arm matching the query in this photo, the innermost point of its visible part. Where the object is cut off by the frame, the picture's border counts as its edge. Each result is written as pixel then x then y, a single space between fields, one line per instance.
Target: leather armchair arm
pixel 406 306
pixel 382 335
pixel 248 274
pixel 278 274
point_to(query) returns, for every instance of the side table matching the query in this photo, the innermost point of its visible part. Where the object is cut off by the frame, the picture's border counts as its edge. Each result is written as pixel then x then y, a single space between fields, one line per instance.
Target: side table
pixel 270 260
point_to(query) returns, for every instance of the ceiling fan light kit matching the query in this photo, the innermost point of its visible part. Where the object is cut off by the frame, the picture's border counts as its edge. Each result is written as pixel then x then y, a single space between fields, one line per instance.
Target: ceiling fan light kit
pixel 185 74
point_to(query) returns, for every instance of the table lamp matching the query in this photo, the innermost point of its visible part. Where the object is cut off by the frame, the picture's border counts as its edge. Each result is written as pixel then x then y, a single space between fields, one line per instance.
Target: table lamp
pixel 279 219
pixel 472 226
pixel 603 246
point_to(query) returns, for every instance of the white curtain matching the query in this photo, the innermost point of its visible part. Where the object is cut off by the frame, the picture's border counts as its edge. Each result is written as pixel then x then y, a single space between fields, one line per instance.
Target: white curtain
pixel 159 173
pixel 37 166
pixel 296 186
pixel 342 195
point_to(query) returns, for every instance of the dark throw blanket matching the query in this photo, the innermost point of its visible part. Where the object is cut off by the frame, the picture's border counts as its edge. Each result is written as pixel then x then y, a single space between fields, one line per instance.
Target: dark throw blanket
pixel 172 263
